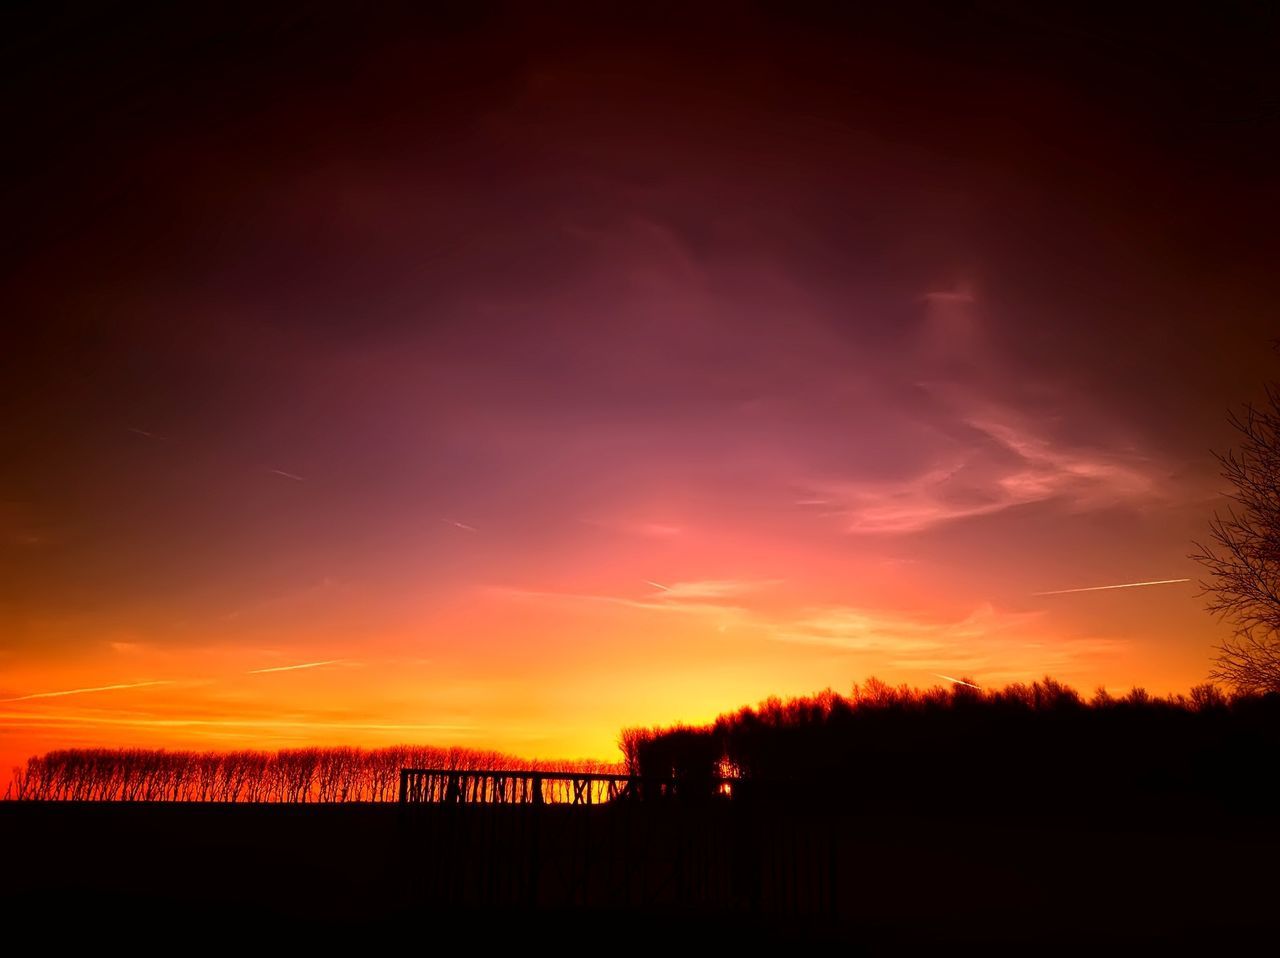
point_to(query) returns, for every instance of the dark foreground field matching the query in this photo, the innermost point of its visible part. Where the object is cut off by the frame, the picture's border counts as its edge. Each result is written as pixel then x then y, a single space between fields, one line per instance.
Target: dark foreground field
pixel 642 875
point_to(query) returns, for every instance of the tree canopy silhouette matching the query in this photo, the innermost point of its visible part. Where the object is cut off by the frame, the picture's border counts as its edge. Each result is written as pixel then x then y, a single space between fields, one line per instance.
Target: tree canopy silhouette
pixel 1243 555
pixel 1026 745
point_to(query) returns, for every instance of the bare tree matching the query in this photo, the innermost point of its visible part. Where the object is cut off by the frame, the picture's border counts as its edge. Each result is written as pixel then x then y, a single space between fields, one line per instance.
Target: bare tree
pixel 630 743
pixel 1243 554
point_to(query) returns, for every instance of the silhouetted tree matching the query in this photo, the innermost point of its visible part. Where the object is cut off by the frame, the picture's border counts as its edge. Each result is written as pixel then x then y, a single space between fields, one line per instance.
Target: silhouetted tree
pixel 630 741
pixel 1243 555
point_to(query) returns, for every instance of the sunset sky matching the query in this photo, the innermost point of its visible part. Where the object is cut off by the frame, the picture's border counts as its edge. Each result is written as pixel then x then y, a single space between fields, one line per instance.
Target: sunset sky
pixel 503 379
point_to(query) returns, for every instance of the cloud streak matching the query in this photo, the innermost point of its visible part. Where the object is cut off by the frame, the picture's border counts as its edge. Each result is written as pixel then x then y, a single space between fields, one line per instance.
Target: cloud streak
pixel 1106 588
pixel 85 691
pixel 711 588
pixel 656 602
pixel 19 719
pixel 999 644
pixel 955 681
pixel 864 630
pixel 644 529
pixel 294 668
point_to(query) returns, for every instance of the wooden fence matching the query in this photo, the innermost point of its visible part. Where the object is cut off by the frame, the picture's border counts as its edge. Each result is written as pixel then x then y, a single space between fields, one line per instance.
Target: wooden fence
pixel 439 786
pixel 481 839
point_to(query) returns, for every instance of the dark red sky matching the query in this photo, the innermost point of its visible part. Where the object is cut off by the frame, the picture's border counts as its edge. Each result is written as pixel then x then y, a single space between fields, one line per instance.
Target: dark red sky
pixel 537 371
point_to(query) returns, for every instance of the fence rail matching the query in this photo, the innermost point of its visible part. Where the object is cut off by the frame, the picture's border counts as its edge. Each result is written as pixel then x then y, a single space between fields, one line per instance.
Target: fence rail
pixel 440 786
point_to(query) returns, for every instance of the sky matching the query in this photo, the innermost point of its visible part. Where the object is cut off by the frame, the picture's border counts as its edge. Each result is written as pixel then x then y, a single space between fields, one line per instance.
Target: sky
pixel 502 376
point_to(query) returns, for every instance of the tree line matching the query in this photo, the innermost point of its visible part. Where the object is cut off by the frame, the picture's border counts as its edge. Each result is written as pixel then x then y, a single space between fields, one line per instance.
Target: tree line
pixel 336 774
pixel 1040 742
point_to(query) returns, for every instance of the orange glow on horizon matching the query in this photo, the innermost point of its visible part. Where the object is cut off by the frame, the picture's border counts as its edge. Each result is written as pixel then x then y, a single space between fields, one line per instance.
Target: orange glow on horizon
pixel 507 385
pixel 553 673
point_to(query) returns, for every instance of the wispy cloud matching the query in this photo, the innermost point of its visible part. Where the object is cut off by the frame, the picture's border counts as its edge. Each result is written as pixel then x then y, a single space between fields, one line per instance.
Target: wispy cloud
pixel 997 643
pixel 857 629
pixel 949 297
pixel 711 588
pixel 683 596
pixel 459 525
pixel 909 505
pixel 294 668
pixel 662 600
pixel 1002 463
pixel 287 475
pixel 85 691
pixel 643 528
pixel 1088 477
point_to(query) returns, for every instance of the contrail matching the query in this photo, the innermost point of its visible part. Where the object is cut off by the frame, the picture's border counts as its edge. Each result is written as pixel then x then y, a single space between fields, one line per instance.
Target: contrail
pixel 656 585
pixel 957 681
pixel 290 668
pixel 142 432
pixel 22 720
pixel 96 688
pixel 287 475
pixel 460 525
pixel 1122 585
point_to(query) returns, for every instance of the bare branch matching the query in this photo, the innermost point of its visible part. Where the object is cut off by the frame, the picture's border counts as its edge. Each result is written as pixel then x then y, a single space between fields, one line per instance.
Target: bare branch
pixel 1242 558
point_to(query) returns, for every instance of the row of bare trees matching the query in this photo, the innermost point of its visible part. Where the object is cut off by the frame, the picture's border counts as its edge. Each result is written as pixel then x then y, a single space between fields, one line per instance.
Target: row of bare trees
pixel 339 774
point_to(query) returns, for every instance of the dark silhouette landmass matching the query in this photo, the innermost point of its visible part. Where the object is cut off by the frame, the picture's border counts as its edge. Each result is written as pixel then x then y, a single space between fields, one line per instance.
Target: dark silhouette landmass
pixel 885 820
pixel 1036 745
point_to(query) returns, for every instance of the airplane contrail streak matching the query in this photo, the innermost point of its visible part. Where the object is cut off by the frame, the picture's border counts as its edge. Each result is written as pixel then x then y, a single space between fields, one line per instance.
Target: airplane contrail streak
pixel 460 525
pixel 957 681
pixel 287 475
pixel 657 585
pixel 1104 588
pixel 96 688
pixel 291 668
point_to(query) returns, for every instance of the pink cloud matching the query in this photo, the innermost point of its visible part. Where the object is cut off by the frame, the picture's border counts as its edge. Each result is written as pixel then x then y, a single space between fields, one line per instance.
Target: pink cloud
pixel 1007 460
pixel 1001 645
